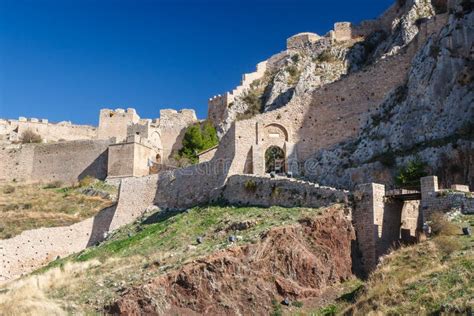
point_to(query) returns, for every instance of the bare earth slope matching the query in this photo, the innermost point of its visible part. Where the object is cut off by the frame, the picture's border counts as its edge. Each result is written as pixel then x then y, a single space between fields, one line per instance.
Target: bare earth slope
pixel 294 262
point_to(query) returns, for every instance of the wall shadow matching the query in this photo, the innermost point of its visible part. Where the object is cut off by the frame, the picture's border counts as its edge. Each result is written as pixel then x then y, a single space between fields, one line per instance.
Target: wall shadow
pixel 98 168
pixel 101 224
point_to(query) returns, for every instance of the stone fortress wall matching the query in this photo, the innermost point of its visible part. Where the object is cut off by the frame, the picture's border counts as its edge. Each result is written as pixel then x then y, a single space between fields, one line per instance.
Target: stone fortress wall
pixel 383 218
pixel 217 104
pixel 122 145
pixel 11 130
pixel 34 248
pixel 64 161
pixel 335 113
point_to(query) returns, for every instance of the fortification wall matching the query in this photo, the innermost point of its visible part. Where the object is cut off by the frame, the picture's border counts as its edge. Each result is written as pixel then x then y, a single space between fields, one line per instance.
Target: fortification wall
pixel 218 105
pixel 34 248
pixel 172 125
pixel 434 199
pixel 114 123
pixel 65 161
pixel 12 130
pixel 266 191
pixel 334 113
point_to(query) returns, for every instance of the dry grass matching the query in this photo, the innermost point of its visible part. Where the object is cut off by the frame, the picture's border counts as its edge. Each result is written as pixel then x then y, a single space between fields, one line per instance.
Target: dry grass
pixel 139 252
pixel 24 207
pixel 428 278
pixel 28 296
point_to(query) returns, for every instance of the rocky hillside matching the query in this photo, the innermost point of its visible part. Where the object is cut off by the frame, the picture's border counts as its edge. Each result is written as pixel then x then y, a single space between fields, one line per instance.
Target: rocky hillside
pixel 202 260
pixel 430 117
pixel 293 263
pixel 294 73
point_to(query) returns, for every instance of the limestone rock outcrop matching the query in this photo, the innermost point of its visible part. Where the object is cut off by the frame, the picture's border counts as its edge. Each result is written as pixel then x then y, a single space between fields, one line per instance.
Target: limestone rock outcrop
pixel 431 116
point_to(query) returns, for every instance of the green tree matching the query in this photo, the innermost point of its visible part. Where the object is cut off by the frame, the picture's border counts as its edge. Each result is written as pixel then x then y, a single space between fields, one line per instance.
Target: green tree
pixel 409 175
pixel 198 138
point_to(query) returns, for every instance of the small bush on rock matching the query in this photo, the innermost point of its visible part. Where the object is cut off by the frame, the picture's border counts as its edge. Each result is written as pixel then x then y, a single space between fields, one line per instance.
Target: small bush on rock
pixel 29 137
pixel 250 186
pixel 440 225
pixel 54 185
pixel 8 189
pixel 87 181
pixel 197 138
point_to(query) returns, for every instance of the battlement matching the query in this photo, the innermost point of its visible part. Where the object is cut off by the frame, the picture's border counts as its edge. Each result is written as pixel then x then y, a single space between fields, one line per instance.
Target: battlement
pixel 130 112
pixel 301 39
pixel 219 103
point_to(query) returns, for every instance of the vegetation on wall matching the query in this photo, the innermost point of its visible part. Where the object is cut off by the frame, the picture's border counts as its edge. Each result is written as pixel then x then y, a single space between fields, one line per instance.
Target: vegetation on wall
pixel 29 136
pixel 410 174
pixel 253 98
pixel 197 138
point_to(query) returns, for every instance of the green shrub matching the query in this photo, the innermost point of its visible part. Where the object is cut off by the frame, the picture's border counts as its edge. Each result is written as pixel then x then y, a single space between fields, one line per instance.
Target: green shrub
pixel 409 175
pixel 29 136
pixel 440 225
pixel 197 138
pixel 326 57
pixel 250 186
pixel 254 100
pixel 54 185
pixel 447 245
pixel 297 304
pixel 8 189
pixel 276 308
pixel 87 181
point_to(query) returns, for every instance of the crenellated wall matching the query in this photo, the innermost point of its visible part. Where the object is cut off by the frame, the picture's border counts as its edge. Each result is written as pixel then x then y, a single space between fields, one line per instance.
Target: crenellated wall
pixel 114 123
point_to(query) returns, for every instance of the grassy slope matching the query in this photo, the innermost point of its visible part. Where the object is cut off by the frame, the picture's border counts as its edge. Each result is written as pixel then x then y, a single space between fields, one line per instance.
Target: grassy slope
pixel 24 207
pixel 162 242
pixel 427 278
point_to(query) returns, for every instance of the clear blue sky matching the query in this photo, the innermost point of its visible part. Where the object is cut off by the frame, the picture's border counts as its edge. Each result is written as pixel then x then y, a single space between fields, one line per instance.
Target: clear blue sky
pixel 65 59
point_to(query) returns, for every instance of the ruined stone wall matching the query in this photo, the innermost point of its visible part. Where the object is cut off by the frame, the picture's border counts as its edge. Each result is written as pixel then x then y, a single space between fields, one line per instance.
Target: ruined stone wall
pixel 300 40
pixel 16 162
pixel 266 191
pixel 434 199
pixel 12 130
pixel 65 161
pixel 366 218
pixel 120 160
pixel 35 248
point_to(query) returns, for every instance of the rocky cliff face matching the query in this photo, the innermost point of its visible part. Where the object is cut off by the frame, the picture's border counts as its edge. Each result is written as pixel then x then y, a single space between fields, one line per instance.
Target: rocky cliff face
pixel 294 73
pixel 294 262
pixel 431 116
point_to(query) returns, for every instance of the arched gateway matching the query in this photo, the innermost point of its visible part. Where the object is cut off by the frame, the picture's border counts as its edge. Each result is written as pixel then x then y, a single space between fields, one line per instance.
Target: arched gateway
pixel 275 160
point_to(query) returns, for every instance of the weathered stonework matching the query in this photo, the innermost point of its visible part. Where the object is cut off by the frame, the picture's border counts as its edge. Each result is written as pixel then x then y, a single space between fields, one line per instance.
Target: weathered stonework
pixel 34 248
pixel 384 219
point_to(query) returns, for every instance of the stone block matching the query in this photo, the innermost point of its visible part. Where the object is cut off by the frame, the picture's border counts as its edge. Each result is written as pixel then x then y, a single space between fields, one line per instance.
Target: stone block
pixel 460 187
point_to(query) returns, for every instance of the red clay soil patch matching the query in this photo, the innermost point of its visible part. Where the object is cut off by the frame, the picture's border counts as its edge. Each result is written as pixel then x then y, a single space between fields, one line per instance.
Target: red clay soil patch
pixel 296 262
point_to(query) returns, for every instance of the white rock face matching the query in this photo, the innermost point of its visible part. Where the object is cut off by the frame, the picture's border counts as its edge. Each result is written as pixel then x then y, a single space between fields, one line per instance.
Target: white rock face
pixel 431 116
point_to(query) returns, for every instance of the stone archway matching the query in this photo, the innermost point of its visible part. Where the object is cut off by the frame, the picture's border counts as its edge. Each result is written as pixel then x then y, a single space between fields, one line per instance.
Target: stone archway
pixel 275 160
